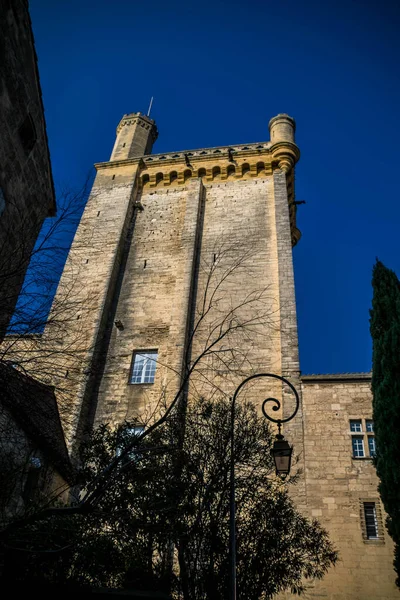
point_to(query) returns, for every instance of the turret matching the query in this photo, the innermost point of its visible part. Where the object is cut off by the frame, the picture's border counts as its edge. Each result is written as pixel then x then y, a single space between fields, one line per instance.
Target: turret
pixel 284 149
pixel 136 135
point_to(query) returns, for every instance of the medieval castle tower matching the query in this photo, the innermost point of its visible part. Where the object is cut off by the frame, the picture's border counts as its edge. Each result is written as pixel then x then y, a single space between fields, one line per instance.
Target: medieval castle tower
pixel 201 241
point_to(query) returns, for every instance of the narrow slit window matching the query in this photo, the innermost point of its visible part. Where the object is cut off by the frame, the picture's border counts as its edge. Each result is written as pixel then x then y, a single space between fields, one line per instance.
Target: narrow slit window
pixel 371 522
pixel 2 201
pixel 371 446
pixel 27 134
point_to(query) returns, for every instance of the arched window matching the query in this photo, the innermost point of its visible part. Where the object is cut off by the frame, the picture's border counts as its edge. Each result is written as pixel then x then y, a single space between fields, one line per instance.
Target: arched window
pixel 260 167
pixel 159 177
pixel 145 179
pixel 216 172
pixel 187 174
pixel 173 176
pixel 231 170
pixel 245 168
pixel 201 173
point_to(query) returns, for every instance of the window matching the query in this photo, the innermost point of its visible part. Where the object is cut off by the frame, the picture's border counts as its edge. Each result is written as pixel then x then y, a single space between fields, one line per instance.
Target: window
pixel 143 366
pixel 371 445
pixel 369 425
pixel 362 438
pixel 355 426
pixel 371 522
pixel 27 134
pixel 358 446
pixel 2 201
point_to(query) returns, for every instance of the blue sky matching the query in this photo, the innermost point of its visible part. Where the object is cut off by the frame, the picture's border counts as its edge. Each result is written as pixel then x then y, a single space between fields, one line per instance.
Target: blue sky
pixel 218 72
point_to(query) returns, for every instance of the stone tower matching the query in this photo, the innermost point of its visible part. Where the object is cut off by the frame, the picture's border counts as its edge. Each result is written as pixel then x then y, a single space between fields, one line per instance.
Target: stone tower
pixel 179 250
pixel 150 227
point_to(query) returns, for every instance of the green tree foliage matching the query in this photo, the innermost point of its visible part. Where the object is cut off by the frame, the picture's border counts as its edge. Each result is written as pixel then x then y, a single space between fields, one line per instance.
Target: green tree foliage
pixel 148 531
pixel 385 331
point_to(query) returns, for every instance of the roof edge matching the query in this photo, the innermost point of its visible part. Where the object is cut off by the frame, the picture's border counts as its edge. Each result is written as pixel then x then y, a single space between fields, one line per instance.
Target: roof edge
pixel 335 377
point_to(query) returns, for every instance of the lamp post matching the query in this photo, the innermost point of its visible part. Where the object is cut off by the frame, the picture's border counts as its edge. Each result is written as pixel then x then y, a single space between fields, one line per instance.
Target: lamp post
pixel 280 451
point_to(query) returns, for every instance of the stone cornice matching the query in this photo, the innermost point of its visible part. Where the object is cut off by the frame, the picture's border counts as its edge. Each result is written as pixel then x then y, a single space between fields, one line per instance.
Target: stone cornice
pixel 336 377
pixel 238 151
pixel 259 159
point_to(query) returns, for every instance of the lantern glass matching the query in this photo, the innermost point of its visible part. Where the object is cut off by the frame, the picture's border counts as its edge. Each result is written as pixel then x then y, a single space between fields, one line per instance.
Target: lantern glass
pixel 282 455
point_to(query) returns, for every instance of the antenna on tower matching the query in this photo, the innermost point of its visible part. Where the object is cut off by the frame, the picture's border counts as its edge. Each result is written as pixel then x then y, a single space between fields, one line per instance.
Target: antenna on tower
pixel 150 105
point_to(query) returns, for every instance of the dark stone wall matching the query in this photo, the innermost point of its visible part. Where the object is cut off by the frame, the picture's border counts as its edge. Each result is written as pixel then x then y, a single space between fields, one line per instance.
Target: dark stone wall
pixel 26 184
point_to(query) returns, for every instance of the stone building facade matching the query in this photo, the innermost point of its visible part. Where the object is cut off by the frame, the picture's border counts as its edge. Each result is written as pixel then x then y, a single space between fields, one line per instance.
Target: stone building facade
pixel 186 258
pixel 26 183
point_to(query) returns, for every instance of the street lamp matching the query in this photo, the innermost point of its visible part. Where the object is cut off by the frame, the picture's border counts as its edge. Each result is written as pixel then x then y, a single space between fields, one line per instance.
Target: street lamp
pixel 280 451
pixel 282 455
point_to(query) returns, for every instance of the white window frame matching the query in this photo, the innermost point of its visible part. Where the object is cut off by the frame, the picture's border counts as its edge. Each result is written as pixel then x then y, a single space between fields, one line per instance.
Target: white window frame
pixel 356 423
pixel 372 439
pixel 146 357
pixel 362 429
pixel 360 439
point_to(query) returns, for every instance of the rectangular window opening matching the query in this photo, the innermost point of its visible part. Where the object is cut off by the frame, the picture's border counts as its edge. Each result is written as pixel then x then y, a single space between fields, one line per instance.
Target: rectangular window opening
pixel 369 425
pixel 2 201
pixel 143 366
pixel 371 446
pixel 355 426
pixel 358 446
pixel 371 522
pixel 27 134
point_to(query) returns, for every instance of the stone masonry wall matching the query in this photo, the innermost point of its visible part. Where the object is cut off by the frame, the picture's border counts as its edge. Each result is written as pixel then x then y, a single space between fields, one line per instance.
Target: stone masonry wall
pixel 337 483
pixel 153 303
pixel 26 185
pixel 85 293
pixel 180 235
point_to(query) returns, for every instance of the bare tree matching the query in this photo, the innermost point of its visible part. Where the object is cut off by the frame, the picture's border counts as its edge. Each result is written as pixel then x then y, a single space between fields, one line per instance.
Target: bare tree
pixel 217 354
pixel 124 488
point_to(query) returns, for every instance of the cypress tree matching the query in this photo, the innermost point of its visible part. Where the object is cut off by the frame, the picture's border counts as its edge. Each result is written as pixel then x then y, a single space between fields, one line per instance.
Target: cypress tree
pixel 385 332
